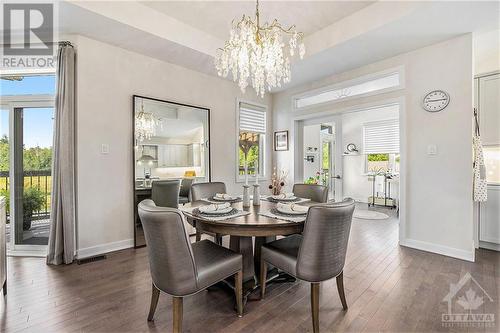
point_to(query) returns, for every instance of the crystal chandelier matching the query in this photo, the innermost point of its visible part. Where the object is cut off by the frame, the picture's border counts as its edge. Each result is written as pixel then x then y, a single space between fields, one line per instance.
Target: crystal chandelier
pixel 256 52
pixel 145 124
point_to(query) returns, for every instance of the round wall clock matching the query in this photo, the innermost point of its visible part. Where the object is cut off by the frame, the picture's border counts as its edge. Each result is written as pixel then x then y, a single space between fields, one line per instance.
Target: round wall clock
pixel 436 101
pixel 352 148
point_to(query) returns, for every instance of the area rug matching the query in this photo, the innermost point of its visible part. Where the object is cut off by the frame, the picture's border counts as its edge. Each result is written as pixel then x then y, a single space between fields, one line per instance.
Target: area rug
pixel 369 214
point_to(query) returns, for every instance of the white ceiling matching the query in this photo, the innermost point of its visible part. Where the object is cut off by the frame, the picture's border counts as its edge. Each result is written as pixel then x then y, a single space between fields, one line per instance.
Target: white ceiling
pixel 340 35
pixel 215 17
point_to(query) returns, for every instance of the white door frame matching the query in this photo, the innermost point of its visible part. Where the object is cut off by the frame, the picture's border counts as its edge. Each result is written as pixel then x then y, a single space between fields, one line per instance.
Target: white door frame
pixel 11 103
pixel 299 148
pixel 297 125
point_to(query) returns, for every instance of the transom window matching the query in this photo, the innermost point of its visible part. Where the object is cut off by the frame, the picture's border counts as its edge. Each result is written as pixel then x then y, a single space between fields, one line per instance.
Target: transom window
pixel 376 83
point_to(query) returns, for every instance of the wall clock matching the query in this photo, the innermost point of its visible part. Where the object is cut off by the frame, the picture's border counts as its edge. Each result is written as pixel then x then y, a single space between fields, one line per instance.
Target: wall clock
pixel 436 101
pixel 352 148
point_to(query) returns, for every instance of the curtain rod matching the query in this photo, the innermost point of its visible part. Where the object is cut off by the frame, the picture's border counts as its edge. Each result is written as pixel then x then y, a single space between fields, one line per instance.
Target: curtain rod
pixel 62 42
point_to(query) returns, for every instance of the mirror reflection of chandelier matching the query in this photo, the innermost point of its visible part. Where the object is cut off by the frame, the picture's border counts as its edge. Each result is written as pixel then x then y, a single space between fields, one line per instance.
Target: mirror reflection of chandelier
pixel 145 124
pixel 256 52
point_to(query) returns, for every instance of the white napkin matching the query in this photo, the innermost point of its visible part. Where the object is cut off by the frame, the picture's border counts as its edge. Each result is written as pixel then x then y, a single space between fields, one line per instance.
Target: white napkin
pixel 214 207
pixel 292 208
pixel 223 196
pixel 284 196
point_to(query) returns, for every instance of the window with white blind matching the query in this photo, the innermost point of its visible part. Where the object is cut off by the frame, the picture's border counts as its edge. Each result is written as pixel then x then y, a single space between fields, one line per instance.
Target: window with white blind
pixel 252 125
pixel 381 146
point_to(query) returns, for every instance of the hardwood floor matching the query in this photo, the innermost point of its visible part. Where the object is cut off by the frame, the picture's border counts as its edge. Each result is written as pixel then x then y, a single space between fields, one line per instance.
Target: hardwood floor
pixel 388 288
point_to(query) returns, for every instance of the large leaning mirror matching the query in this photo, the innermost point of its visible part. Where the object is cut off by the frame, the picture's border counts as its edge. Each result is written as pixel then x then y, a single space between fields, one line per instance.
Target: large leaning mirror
pixel 171 142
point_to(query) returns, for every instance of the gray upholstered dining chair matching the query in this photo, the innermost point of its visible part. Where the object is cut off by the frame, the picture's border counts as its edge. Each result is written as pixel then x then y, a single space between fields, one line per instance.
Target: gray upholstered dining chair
pixel 185 190
pixel 314 192
pixel 180 268
pixel 165 193
pixel 317 255
pixel 207 190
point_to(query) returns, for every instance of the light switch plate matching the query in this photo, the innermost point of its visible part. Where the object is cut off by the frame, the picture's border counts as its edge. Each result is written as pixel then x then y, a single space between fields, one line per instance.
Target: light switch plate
pixel 104 148
pixel 432 150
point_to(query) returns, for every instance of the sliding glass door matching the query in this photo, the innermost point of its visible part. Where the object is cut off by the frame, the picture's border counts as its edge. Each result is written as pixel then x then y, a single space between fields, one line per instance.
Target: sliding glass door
pixel 4 162
pixel 30 147
pixel 34 190
pixel 26 130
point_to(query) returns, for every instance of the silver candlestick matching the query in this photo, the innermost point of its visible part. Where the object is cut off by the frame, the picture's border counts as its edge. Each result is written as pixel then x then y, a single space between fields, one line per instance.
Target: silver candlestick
pixel 246 196
pixel 256 194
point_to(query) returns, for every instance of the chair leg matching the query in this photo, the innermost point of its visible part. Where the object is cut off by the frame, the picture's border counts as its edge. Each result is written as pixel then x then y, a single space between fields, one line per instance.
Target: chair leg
pixel 155 294
pixel 198 236
pixel 238 292
pixel 340 288
pixel 177 314
pixel 218 239
pixel 315 306
pixel 263 278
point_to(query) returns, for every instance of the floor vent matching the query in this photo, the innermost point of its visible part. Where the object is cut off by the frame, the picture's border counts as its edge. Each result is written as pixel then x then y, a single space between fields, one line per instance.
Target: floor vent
pixel 90 259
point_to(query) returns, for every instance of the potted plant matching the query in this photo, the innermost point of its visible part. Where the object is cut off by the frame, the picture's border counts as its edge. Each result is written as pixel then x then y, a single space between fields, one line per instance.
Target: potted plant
pixel 33 200
pixel 320 177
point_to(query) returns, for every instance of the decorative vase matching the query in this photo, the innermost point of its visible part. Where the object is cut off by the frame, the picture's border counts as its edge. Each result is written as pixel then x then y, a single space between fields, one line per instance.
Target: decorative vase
pixel 277 190
pixel 256 195
pixel 246 196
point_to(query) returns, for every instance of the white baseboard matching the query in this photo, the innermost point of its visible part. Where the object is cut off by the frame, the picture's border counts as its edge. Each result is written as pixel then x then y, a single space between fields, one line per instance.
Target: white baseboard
pixel 104 248
pixel 439 249
pixel 489 246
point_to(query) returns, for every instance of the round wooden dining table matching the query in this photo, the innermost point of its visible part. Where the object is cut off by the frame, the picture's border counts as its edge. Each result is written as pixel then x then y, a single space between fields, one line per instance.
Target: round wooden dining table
pixel 245 231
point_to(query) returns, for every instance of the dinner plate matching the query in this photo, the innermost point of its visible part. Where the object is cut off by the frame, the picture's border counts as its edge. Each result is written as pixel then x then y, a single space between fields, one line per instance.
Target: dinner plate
pixel 217 212
pixel 223 209
pixel 224 200
pixel 280 198
pixel 286 209
pixel 233 211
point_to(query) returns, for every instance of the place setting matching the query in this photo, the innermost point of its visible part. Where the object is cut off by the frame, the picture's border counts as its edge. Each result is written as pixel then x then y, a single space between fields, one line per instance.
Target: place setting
pixel 287 211
pixel 285 198
pixel 214 211
pixel 223 198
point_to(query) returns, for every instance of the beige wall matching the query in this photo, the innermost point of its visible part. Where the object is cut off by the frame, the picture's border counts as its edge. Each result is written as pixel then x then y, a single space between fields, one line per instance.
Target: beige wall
pixel 107 77
pixel 438 210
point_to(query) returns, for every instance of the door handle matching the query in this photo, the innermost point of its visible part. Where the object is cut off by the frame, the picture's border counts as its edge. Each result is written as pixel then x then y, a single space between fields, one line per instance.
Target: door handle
pixel 337 177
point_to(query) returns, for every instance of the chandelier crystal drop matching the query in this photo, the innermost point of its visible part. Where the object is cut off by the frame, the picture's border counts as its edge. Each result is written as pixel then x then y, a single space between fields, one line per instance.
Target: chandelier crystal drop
pixel 145 125
pixel 256 53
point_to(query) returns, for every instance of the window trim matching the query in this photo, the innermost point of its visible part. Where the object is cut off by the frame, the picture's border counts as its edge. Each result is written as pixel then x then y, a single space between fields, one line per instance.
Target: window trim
pixel 344 84
pixel 262 170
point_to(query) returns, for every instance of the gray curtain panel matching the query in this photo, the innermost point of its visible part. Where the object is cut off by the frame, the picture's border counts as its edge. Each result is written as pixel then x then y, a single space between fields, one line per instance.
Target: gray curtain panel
pixel 63 211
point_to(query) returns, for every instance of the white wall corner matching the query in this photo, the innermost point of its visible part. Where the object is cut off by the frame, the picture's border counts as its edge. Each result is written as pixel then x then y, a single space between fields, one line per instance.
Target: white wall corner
pixel 104 248
pixel 439 249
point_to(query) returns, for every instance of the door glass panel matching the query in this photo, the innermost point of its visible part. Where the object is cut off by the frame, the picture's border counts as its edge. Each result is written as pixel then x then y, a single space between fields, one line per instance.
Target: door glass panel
pixel 37 130
pixel 492 163
pixel 327 161
pixel 4 163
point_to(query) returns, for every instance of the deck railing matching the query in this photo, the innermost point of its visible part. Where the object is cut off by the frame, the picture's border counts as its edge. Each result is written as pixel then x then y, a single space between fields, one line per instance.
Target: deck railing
pixel 40 179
